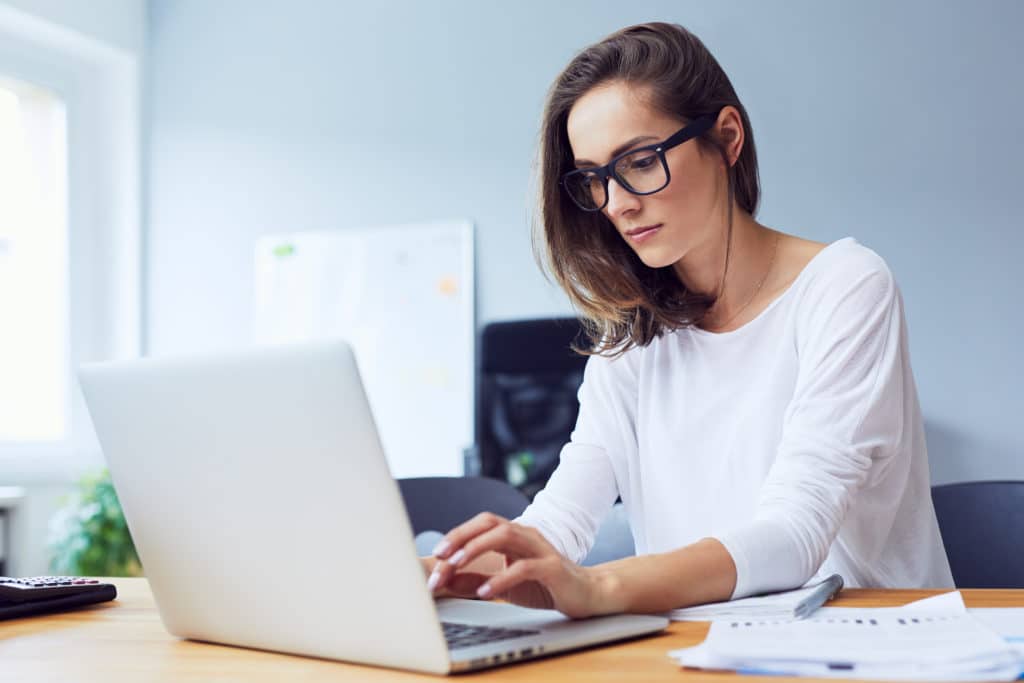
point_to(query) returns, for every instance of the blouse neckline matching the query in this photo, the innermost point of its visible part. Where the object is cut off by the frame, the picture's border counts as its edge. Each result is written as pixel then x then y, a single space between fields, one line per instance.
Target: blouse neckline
pixel 808 267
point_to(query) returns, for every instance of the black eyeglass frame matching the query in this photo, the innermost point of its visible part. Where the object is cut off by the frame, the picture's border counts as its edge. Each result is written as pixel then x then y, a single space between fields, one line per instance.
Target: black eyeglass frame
pixel 695 128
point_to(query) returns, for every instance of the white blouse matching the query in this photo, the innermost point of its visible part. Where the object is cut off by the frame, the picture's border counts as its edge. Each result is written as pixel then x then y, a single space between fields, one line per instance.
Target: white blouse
pixel 795 440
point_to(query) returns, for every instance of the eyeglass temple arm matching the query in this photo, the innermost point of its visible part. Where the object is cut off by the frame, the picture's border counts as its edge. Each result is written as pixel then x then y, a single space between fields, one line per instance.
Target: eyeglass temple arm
pixel 697 127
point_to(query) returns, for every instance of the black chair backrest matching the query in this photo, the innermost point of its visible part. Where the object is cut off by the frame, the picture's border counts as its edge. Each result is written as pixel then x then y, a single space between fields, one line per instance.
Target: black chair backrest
pixel 442 503
pixel 526 408
pixel 982 525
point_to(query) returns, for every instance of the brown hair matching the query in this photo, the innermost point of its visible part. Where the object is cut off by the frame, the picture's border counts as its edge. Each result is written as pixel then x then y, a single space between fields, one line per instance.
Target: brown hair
pixel 623 302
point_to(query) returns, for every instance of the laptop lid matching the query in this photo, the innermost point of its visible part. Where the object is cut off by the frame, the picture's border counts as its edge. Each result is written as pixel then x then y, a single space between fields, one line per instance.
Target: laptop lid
pixel 259 499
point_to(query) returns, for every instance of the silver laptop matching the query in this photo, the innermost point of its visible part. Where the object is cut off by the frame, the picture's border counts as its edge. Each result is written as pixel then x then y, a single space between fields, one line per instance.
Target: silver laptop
pixel 261 504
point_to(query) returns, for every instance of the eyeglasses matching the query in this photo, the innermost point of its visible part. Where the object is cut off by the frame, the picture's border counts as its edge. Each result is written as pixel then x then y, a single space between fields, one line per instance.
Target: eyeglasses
pixel 640 171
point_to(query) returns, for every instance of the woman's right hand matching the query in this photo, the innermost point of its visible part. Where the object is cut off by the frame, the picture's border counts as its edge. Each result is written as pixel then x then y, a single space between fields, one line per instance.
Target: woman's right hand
pixel 465 583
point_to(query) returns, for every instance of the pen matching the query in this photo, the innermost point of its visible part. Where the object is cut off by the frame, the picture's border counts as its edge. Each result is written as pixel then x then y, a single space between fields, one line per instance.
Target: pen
pixel 823 592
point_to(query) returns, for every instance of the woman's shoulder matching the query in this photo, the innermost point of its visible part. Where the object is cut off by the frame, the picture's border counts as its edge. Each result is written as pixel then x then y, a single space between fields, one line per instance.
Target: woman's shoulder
pixel 831 271
pixel 806 259
pixel 844 286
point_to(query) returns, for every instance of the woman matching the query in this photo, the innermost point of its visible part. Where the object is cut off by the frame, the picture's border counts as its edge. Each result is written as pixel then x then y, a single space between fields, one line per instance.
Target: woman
pixel 749 396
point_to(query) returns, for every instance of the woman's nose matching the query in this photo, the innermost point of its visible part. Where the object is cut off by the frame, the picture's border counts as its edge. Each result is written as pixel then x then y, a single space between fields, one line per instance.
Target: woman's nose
pixel 620 200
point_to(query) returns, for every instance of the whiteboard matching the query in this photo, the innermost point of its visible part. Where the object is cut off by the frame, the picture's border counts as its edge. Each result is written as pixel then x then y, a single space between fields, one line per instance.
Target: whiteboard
pixel 403 297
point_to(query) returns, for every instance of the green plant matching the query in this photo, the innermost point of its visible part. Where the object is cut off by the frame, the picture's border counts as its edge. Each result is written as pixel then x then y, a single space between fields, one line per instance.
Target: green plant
pixel 88 534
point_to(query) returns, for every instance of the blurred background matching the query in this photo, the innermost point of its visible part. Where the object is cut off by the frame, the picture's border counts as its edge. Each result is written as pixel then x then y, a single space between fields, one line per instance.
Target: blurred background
pixel 160 161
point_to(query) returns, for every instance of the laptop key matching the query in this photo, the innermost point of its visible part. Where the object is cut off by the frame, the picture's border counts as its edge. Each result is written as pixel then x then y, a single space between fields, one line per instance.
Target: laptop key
pixel 468 635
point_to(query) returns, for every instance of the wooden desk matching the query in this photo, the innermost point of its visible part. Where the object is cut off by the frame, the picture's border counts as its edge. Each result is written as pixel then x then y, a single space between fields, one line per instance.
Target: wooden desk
pixel 125 641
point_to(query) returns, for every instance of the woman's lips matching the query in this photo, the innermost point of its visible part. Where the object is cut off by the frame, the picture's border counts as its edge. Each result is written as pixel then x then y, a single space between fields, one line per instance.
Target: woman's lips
pixel 641 234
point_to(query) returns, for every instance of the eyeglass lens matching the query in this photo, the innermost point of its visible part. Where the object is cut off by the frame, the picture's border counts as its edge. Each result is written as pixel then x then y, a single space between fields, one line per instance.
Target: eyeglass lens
pixel 640 172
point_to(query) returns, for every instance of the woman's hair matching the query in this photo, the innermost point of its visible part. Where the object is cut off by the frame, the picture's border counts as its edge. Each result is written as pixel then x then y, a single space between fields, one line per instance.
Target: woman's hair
pixel 622 301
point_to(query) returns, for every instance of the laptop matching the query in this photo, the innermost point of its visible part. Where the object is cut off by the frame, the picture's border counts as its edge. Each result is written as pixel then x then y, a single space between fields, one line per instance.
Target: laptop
pixel 264 513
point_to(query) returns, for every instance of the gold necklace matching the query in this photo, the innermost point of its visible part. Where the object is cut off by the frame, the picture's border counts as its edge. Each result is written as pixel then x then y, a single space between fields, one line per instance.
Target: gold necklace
pixel 757 289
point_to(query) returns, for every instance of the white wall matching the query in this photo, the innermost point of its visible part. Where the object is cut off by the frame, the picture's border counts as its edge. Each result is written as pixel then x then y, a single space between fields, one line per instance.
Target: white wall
pixel 120 23
pixel 103 30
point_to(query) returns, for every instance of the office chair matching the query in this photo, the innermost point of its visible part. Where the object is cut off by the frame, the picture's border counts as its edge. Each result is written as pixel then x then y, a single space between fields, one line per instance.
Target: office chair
pixel 526 407
pixel 441 503
pixel 982 525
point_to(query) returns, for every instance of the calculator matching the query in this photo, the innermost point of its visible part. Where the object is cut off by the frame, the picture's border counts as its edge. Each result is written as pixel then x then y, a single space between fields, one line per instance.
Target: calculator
pixel 44 594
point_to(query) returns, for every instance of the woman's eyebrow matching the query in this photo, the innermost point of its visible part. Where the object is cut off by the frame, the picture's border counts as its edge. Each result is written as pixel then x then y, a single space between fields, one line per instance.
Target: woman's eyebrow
pixel 618 150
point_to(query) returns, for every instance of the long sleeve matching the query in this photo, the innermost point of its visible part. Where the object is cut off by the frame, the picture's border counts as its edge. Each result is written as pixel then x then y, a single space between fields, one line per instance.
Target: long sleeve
pixel 570 509
pixel 843 432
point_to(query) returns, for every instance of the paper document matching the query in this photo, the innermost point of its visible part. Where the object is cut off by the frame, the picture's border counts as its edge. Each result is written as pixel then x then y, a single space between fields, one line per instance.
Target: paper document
pixel 944 603
pixel 936 639
pixel 772 606
pixel 1008 622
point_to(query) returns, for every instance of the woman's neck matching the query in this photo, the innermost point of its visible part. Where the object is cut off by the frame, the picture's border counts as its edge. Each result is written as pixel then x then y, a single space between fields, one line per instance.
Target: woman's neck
pixel 751 259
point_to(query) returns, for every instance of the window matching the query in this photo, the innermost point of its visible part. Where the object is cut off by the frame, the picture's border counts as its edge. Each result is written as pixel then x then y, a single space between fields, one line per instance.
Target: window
pixel 70 238
pixel 35 376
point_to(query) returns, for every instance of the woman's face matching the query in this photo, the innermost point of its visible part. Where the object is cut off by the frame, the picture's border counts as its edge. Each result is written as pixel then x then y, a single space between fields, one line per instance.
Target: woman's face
pixel 662 228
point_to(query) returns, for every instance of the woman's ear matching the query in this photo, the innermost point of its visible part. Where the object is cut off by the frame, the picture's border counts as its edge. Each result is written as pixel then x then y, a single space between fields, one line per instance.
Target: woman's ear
pixel 729 131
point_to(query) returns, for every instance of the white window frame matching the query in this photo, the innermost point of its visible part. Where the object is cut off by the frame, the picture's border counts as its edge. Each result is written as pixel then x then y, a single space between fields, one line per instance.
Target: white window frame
pixel 100 86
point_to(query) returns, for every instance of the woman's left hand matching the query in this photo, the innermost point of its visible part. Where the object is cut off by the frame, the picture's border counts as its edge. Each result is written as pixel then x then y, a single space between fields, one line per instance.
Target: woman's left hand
pixel 535 574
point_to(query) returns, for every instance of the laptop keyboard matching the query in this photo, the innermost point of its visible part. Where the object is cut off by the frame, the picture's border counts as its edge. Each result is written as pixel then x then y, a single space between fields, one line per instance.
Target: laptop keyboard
pixel 467 635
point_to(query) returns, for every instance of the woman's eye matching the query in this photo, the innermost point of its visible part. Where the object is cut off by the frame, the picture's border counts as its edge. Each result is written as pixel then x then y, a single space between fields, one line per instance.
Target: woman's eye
pixel 643 162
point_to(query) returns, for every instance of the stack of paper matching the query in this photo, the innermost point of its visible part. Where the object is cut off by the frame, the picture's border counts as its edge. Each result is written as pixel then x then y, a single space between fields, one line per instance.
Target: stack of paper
pixel 935 641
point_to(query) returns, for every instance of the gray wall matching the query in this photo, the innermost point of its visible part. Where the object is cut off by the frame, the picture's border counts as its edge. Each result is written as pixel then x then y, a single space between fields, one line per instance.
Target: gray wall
pixel 895 122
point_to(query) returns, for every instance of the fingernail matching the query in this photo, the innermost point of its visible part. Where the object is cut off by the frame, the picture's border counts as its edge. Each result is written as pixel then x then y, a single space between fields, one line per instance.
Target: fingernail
pixel 458 557
pixel 441 548
pixel 484 590
pixel 432 581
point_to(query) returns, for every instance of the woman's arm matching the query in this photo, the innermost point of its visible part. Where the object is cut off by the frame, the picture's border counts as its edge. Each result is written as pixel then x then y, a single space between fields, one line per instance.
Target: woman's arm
pixel 537 575
pixel 843 430
pixel 696 574
pixel 583 488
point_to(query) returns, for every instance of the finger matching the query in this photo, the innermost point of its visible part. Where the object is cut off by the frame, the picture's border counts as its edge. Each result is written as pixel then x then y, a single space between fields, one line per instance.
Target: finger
pixel 445 580
pixel 519 572
pixel 465 584
pixel 457 537
pixel 506 538
pixel 440 576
